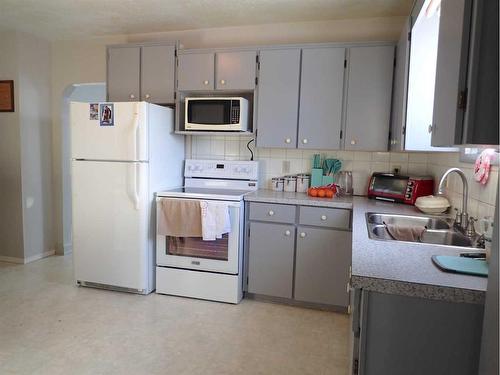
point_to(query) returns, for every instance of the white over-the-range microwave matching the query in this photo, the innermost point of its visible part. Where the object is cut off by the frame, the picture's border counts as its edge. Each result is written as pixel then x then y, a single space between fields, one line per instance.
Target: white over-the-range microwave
pixel 216 113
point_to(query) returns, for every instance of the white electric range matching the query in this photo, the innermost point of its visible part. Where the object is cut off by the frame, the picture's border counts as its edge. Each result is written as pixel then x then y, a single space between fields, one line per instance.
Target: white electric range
pixel 212 270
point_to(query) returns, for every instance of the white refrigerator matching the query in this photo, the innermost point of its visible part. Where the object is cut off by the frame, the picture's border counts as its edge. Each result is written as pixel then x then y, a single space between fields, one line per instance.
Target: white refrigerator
pixel 122 153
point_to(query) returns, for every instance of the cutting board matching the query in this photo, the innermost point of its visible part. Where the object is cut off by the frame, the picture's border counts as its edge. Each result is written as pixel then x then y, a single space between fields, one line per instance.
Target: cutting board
pixel 467 266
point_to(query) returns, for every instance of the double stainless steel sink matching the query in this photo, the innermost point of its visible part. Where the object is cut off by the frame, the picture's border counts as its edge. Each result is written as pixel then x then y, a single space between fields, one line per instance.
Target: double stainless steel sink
pixel 438 230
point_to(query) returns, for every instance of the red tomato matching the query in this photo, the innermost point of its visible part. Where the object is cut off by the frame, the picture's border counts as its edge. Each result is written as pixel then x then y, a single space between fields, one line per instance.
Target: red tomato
pixel 321 193
pixel 313 192
pixel 329 194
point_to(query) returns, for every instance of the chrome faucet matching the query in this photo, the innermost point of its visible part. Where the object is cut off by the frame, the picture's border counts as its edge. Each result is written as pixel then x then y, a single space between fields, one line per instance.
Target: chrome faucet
pixel 462 218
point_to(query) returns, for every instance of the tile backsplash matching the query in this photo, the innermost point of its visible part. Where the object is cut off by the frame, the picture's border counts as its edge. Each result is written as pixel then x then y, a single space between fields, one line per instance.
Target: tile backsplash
pixel 278 162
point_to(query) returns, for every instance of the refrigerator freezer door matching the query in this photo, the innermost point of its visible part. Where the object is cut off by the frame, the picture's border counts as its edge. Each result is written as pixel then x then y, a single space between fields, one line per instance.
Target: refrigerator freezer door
pixel 110 223
pixel 124 139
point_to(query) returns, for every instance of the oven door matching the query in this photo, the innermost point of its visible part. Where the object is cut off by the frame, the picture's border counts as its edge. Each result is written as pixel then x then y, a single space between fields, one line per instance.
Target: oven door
pixel 221 255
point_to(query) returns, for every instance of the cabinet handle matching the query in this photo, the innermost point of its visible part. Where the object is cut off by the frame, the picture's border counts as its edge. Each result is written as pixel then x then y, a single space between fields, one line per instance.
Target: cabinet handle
pixel 302 234
pixel 222 82
pixel 131 96
pixel 205 82
pixel 430 129
pixel 304 141
pixel 323 217
pixel 353 142
pixel 348 287
pixel 288 140
pixel 147 96
pixel 287 233
pixel 271 213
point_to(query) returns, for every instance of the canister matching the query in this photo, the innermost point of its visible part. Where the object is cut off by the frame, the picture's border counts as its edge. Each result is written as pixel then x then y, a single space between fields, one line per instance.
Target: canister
pixel 290 183
pixel 277 183
pixel 303 180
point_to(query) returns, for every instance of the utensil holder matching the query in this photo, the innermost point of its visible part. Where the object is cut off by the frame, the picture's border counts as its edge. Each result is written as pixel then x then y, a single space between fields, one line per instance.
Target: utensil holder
pixel 316 177
pixel 327 180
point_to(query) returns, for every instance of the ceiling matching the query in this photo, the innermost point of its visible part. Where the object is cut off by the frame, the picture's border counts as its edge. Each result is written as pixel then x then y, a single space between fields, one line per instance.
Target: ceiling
pixel 75 19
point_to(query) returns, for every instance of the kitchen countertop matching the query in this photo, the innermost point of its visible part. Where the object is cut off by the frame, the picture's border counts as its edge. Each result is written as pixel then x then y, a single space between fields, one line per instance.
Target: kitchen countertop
pixel 392 267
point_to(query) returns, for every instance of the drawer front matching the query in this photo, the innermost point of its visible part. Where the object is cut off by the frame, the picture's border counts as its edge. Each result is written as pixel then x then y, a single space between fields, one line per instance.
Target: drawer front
pixel 325 217
pixel 277 213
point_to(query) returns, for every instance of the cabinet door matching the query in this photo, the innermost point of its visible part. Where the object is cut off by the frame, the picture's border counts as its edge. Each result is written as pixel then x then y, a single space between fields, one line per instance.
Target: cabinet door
pixel 195 72
pixel 278 98
pixel 123 76
pixel 235 70
pixel 321 93
pixel 369 98
pixel 322 266
pixel 396 142
pixel 451 69
pixel 270 259
pixel 157 74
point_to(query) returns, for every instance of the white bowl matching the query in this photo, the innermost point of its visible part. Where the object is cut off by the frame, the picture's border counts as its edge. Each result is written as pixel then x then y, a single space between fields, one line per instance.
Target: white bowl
pixel 431 204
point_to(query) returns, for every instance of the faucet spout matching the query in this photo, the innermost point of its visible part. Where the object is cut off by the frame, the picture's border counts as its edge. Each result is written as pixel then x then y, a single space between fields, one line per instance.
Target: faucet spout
pixel 465 192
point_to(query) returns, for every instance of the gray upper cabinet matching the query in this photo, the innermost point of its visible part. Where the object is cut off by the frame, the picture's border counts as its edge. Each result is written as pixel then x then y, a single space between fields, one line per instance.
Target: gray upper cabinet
pixel 451 70
pixel 235 70
pixel 141 72
pixel 321 91
pixel 369 95
pixel 270 262
pixel 396 141
pixel 278 98
pixel 123 73
pixel 322 266
pixel 158 74
pixel 195 71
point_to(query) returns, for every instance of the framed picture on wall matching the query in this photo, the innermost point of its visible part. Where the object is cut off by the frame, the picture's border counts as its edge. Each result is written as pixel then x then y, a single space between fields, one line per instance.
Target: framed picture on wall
pixel 7 96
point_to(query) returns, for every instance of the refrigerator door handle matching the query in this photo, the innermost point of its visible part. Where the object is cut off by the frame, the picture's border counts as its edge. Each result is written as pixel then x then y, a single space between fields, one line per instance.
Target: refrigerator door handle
pixel 135 189
pixel 136 130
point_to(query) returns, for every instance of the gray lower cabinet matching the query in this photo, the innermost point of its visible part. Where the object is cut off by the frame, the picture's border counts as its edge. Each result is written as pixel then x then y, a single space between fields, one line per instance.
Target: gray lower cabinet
pixel 369 95
pixel 278 98
pixel 270 259
pixel 394 335
pixel 322 266
pixel 299 252
pixel 123 73
pixel 196 71
pixel 158 73
pixel 235 70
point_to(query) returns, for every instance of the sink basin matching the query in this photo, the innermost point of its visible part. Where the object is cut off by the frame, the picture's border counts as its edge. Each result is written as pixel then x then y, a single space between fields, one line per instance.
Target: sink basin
pixel 406 220
pixel 438 231
pixel 445 237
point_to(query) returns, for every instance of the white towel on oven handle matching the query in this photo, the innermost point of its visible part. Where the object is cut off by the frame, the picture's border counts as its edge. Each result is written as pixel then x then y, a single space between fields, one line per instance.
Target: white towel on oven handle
pixel 215 220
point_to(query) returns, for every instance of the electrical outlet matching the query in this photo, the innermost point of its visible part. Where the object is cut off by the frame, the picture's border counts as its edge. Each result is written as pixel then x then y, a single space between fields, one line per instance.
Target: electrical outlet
pixel 396 169
pixel 285 166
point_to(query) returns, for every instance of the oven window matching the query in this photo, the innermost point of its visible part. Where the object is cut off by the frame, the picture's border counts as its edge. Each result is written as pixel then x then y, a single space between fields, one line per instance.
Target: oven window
pixel 195 247
pixel 210 112
pixel 389 185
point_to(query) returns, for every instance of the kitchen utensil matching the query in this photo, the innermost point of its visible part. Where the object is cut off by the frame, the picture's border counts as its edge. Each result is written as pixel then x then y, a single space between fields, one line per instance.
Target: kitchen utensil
pixel 432 204
pixel 303 180
pixel 344 180
pixel 278 183
pixel 290 183
pixel 331 166
pixel 316 161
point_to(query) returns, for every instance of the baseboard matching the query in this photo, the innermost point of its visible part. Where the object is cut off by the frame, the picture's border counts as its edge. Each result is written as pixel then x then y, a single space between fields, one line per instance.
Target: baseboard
pixel 11 259
pixel 39 256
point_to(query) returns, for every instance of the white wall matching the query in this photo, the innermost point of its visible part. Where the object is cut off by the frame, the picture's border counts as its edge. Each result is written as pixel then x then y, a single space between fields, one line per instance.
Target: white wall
pixel 11 234
pixel 83 61
pixel 25 149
